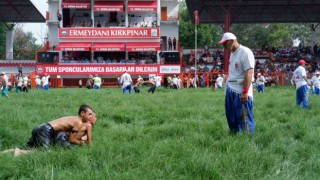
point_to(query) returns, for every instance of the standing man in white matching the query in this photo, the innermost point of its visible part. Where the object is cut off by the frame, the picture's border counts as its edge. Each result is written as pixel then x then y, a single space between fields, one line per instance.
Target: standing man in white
pixel 315 84
pixel 158 80
pixel 175 82
pixel 126 82
pixel 219 81
pixel 96 82
pixel 239 96
pixel 38 82
pixel 260 83
pixel 45 82
pixel 299 80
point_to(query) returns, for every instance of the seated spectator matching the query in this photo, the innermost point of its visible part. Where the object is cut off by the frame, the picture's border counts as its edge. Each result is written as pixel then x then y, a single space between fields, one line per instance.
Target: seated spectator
pixel 133 60
pixel 142 61
pixel 101 61
pixel 206 69
pixel 201 67
pixel 86 60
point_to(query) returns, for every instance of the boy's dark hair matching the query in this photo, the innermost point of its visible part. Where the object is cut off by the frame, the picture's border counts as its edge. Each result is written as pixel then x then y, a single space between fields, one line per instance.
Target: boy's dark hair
pixel 84 108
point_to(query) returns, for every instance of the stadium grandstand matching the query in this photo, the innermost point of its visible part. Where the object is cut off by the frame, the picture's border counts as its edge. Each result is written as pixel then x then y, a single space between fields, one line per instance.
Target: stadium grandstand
pixel 12 13
pixel 270 60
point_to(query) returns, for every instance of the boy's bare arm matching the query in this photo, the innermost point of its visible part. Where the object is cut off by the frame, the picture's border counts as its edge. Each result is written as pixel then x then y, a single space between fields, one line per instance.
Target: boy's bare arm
pixel 89 133
pixel 73 137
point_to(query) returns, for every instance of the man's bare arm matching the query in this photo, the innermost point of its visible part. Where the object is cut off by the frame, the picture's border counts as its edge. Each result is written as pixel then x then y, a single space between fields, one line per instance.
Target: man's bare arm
pixel 246 85
pixel 74 134
pixel 89 133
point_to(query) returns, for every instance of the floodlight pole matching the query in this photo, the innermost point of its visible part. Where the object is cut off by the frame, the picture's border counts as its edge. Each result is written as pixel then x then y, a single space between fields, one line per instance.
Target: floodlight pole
pixel 195 54
pixel 226 54
pixel 196 22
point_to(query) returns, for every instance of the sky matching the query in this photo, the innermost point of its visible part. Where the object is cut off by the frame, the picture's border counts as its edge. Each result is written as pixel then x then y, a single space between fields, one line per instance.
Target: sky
pixel 39 30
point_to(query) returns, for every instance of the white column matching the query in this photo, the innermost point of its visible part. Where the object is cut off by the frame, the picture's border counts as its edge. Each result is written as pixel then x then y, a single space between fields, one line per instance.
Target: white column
pixel 92 12
pixel 158 57
pixel 9 44
pixel 158 12
pixel 126 13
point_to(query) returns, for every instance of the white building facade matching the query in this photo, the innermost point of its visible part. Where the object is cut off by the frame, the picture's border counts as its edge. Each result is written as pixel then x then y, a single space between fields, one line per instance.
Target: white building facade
pixel 107 37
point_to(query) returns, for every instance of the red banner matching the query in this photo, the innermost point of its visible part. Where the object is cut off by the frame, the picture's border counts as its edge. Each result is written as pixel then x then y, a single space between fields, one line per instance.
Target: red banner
pixel 108 6
pixel 72 48
pixel 196 17
pixel 142 6
pixel 75 5
pixel 142 9
pixel 142 49
pixel 108 47
pixel 106 69
pixel 107 33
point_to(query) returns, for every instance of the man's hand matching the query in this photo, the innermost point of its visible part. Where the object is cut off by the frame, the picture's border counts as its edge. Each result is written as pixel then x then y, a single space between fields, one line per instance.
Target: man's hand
pixel 244 98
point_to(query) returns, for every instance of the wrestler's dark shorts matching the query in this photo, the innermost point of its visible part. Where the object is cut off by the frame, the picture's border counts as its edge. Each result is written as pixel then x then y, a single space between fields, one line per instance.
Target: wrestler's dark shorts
pixel 152 89
pixel 42 136
pixel 62 139
pixel 136 90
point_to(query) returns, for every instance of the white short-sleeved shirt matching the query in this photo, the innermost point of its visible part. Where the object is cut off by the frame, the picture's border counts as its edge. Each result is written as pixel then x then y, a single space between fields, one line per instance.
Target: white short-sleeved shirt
pixel 125 80
pixel 298 77
pixel 97 81
pixel 6 78
pixel 175 80
pixel 38 81
pixel 240 61
pixel 158 81
pixel 25 80
pixel 315 81
pixel 219 81
pixel 260 80
pixel 45 80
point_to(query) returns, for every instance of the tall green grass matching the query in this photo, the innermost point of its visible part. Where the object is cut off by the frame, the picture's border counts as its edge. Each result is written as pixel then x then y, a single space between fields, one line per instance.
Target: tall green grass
pixel 168 135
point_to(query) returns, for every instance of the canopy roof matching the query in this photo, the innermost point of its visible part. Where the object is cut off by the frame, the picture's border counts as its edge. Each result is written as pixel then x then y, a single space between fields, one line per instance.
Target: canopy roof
pixel 256 11
pixel 19 11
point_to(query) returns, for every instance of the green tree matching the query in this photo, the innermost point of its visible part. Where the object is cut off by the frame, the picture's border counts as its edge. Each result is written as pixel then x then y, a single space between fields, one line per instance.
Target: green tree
pixel 2 41
pixel 24 45
pixel 251 35
pixel 207 33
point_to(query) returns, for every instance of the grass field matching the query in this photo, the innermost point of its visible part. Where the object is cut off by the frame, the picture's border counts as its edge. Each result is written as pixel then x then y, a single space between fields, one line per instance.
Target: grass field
pixel 169 135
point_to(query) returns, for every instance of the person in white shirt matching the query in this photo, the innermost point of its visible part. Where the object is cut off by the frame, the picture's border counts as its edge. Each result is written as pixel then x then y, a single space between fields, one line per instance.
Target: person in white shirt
pixel 18 83
pixel 260 83
pixel 175 82
pixel 239 96
pixel 25 80
pixel 179 83
pixel 45 82
pixel 3 86
pixel 192 82
pixel 219 81
pixel 126 82
pixel 315 84
pixel 158 80
pixel 299 80
pixel 38 82
pixel 96 82
pixel 6 78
